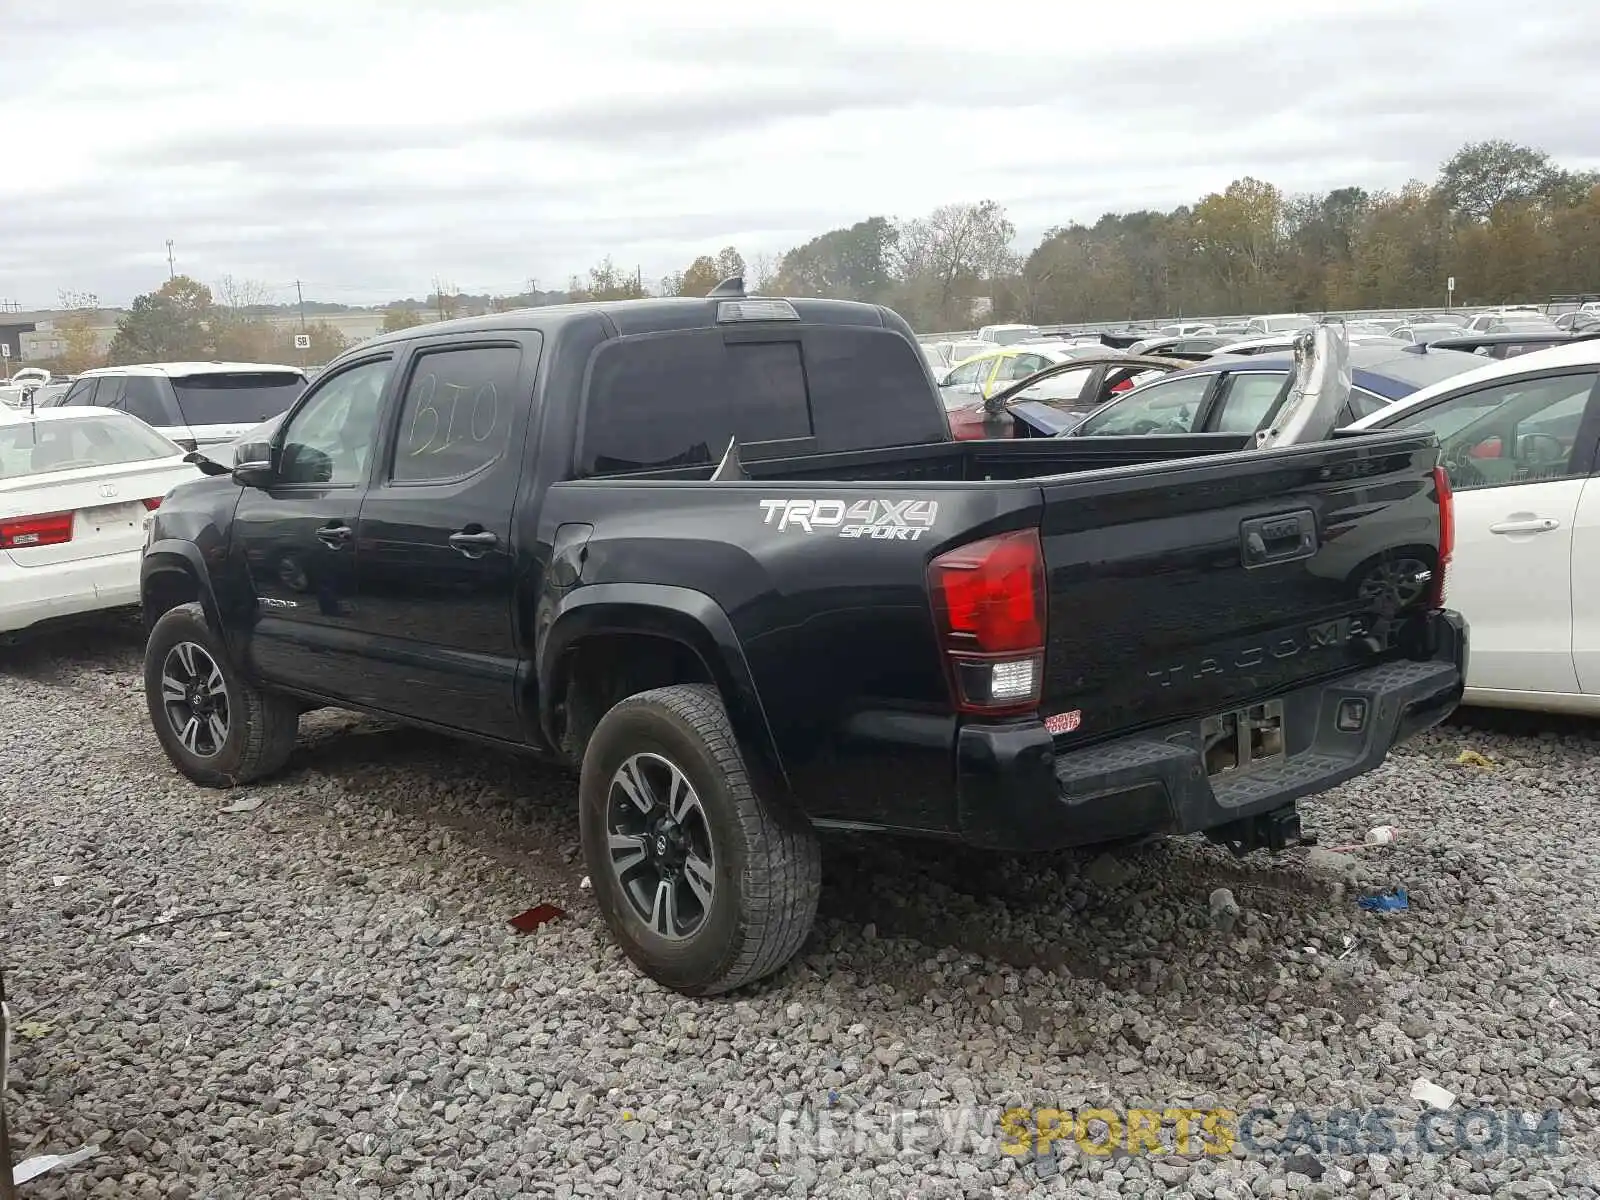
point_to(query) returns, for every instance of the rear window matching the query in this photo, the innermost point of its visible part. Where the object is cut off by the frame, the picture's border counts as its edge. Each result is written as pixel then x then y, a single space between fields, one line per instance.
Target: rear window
pixel 39 447
pixel 1419 370
pixel 662 401
pixel 236 398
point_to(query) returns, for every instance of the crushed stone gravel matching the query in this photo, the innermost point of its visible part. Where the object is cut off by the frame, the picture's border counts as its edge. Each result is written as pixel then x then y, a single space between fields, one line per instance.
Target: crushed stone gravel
pixel 320 995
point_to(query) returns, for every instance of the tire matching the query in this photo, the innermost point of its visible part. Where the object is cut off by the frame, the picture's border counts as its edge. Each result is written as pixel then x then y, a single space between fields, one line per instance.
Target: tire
pixel 764 865
pixel 259 727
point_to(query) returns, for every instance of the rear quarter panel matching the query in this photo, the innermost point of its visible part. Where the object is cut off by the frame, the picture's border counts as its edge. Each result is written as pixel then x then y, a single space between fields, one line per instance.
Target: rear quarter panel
pixel 825 588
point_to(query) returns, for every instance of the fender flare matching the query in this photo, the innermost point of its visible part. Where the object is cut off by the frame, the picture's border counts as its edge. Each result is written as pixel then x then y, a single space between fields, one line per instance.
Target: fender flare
pixel 683 615
pixel 175 557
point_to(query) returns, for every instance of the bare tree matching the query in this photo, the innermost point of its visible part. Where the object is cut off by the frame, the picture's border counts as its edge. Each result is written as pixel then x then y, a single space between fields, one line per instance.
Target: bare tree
pixel 946 255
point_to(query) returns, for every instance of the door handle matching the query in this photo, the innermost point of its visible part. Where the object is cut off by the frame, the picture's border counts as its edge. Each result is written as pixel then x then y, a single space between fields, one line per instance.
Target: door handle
pixel 334 536
pixel 1536 525
pixel 474 543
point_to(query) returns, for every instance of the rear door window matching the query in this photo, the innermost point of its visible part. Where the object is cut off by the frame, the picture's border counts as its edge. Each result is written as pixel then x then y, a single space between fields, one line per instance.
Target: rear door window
pixel 144 397
pixel 662 401
pixel 1248 400
pixel 81 393
pixel 455 419
pixel 236 398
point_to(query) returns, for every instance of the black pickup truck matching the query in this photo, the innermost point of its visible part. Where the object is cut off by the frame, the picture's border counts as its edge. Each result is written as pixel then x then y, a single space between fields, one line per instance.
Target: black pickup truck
pixel 531 529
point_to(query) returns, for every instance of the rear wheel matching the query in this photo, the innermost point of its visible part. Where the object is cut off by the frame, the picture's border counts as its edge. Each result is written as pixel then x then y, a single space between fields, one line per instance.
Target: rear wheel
pixel 218 728
pixel 704 884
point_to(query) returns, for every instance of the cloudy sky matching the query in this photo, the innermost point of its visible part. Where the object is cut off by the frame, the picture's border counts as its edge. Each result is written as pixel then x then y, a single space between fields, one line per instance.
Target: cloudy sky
pixel 368 147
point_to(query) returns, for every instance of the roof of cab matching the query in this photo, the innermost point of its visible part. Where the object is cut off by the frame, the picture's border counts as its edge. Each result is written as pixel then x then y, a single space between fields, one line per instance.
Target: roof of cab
pixel 181 369
pixel 653 314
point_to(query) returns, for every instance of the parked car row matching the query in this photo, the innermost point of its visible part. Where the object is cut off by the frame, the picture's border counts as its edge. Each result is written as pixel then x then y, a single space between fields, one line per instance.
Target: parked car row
pixel 82 469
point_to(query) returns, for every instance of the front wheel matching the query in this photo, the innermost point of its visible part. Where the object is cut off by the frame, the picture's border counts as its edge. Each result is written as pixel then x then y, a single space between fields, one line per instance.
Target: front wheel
pixel 217 727
pixel 705 885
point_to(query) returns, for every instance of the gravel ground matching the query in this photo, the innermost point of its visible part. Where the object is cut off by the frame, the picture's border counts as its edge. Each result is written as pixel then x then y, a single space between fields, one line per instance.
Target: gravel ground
pixel 338 1006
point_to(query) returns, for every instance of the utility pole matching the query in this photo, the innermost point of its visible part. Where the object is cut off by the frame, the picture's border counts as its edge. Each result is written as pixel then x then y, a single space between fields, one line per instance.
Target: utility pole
pixel 300 297
pixel 172 271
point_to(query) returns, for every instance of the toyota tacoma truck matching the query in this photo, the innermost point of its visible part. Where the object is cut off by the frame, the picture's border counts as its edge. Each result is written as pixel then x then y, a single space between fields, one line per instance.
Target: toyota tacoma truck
pixel 723 556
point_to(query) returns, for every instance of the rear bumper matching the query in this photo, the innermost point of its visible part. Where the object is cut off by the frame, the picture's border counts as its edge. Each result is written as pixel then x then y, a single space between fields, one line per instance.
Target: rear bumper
pixel 31 595
pixel 1015 793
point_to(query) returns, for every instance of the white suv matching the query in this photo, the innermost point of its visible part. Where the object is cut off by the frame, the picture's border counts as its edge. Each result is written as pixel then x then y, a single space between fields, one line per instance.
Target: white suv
pixel 196 404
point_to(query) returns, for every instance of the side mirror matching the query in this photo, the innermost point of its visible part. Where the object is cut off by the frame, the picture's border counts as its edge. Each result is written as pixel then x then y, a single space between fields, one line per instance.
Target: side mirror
pixel 252 465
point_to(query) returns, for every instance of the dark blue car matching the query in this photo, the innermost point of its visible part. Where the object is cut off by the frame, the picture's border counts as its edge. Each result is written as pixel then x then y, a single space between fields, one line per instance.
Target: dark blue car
pixel 1238 394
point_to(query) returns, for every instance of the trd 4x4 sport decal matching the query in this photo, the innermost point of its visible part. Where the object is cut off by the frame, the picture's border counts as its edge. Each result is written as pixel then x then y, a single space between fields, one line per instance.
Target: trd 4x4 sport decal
pixel 878 519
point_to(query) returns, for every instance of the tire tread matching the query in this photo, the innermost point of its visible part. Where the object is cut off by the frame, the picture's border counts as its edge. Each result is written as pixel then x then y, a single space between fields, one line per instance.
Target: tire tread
pixel 781 881
pixel 269 723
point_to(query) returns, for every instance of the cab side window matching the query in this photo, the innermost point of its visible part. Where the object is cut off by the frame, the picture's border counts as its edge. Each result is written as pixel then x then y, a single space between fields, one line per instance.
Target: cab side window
pixel 456 416
pixel 142 398
pixel 330 439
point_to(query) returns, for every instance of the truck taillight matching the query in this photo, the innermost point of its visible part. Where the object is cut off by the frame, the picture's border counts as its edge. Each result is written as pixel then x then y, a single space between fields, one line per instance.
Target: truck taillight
pixel 989 604
pixel 1447 536
pixel 23 533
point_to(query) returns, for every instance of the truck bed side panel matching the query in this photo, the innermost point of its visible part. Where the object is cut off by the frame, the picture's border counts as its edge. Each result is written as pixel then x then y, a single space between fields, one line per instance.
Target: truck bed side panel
pixel 834 618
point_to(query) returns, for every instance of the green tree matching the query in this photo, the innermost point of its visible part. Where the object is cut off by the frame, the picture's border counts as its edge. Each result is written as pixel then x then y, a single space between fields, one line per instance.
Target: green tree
pixel 400 316
pixel 326 341
pixel 606 282
pixel 729 263
pixel 1239 233
pixel 848 264
pixel 1482 176
pixel 699 278
pixel 80 346
pixel 172 323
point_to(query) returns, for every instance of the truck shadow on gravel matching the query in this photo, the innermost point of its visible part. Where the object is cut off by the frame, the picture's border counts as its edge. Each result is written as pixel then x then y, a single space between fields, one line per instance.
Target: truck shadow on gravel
pixel 1133 919
pixel 61 654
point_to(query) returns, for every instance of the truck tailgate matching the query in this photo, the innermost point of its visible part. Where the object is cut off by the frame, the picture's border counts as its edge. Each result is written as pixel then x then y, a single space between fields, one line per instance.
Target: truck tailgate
pixel 1183 589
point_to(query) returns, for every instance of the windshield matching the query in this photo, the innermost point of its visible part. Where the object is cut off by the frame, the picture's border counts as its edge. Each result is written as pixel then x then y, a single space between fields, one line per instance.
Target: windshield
pixel 236 398
pixel 101 440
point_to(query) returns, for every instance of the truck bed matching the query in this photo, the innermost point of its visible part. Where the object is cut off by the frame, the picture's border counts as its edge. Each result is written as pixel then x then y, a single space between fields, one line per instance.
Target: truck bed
pixel 1153 616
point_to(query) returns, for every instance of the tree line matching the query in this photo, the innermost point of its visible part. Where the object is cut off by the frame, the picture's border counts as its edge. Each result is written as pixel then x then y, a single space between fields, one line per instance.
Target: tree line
pixel 1506 221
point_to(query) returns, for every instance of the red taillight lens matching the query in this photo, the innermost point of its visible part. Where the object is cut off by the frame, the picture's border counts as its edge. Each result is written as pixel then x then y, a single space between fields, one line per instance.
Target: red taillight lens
pixel 989 602
pixel 153 503
pixel 23 533
pixel 1447 535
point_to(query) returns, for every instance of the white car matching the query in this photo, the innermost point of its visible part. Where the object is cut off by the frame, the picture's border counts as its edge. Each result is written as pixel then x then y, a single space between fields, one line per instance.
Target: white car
pixel 1279 323
pixel 14 391
pixel 1519 439
pixel 196 404
pixel 77 487
pixel 1005 335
